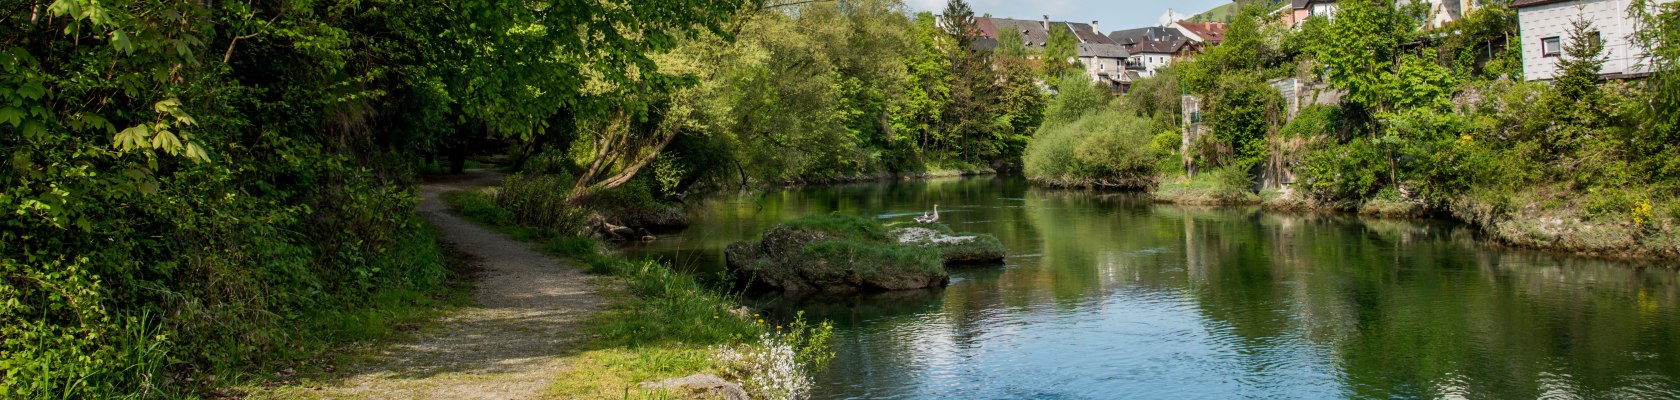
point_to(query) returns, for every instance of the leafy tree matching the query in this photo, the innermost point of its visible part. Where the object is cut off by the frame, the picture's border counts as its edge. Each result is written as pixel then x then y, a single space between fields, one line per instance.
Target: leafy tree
pixel 1076 98
pixel 1360 48
pixel 1243 111
pixel 1060 53
pixel 1011 44
pixel 929 90
pixel 1658 35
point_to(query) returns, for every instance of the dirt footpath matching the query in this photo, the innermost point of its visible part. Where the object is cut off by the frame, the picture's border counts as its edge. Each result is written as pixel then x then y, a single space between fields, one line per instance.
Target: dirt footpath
pixel 530 311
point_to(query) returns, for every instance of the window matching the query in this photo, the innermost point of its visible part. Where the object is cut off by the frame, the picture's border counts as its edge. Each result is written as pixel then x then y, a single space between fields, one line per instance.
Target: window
pixel 1550 47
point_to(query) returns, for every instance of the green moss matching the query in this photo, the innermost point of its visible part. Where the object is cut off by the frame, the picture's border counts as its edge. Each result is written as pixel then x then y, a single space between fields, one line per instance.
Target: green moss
pixel 834 253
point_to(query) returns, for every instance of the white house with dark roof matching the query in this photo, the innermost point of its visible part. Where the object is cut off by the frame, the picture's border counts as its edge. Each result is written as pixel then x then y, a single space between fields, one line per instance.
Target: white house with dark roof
pixel 1150 48
pixel 1545 26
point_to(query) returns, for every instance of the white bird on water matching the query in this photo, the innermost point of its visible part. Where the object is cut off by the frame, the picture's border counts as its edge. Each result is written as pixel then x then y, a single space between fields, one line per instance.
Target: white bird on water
pixel 929 218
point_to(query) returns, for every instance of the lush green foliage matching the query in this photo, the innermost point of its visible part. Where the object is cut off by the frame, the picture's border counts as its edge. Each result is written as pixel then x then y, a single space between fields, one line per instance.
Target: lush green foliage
pixel 1106 148
pixel 180 204
pixel 834 253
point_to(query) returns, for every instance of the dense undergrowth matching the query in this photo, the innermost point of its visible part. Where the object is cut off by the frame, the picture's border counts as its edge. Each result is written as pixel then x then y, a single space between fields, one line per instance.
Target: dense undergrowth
pixel 1576 163
pixel 663 323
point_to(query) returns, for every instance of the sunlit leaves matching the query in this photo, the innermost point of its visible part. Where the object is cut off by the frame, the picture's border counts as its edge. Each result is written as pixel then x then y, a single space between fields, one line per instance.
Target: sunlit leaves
pixel 163 134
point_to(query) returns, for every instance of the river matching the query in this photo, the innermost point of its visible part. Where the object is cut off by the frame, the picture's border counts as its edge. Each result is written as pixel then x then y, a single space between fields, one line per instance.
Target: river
pixel 1107 295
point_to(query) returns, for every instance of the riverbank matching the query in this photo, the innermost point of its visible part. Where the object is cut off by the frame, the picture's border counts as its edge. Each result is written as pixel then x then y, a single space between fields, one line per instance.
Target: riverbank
pixel 1536 218
pixel 931 172
pixel 657 323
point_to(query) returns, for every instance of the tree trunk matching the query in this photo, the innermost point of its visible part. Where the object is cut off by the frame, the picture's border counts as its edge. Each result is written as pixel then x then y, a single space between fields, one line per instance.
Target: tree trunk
pixel 458 159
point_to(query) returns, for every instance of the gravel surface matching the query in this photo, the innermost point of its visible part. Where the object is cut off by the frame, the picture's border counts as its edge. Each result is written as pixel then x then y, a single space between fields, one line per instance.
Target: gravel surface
pixel 530 311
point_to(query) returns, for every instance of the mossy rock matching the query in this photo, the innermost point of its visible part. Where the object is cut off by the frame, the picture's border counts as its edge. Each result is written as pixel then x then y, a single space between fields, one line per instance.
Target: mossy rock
pixel 954 247
pixel 834 253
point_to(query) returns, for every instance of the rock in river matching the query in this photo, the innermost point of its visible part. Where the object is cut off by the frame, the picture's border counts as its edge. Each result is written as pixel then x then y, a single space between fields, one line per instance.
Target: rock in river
pixel 838 253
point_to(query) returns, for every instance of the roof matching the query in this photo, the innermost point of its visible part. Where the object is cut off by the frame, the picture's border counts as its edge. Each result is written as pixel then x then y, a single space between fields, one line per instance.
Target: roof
pixel 1532 3
pixel 1154 39
pixel 1105 50
pixel 1032 32
pixel 1085 33
pixel 1138 35
pixel 1300 4
pixel 1159 46
pixel 1207 31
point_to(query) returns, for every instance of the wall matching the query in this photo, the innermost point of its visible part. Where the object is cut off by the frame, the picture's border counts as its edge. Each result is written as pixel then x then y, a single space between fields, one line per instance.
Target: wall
pixel 1608 16
pixel 1152 62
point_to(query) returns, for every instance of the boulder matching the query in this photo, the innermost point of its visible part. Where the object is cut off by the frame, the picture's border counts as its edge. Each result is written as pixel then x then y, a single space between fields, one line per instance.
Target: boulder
pixel 834 254
pixel 700 386
pixel 954 248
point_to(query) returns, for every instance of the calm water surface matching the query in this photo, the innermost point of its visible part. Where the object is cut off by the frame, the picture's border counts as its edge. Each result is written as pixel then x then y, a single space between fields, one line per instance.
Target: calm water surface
pixel 1109 296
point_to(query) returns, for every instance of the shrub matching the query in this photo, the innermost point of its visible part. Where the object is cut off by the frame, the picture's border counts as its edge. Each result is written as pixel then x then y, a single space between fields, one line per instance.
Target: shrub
pixel 1076 98
pixel 539 200
pixel 1107 149
pixel 1341 171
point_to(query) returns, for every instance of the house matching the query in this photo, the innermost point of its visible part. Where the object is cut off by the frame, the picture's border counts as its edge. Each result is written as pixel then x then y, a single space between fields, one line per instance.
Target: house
pixel 1544 29
pixel 1151 48
pixel 1443 12
pixel 1201 32
pixel 1299 10
pixel 1104 60
pixel 1200 35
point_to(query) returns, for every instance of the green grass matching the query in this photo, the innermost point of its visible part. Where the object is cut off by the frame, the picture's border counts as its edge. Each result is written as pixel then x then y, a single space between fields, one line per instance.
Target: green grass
pixel 1221 186
pixel 662 323
pixel 851 226
pixel 333 339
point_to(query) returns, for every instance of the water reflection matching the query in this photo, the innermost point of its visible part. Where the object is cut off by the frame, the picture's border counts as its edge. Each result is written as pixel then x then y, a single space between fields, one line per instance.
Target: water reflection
pixel 1118 297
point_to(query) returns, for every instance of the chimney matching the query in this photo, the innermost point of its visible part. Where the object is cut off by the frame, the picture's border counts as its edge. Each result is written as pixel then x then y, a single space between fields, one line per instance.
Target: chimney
pixel 1095 28
pixel 1046 23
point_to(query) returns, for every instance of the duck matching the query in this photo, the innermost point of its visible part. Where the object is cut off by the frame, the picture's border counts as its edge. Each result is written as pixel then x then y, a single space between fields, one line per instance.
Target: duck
pixel 929 218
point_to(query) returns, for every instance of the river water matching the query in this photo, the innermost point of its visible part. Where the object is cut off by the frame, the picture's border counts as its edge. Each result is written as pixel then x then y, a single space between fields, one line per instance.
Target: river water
pixel 1109 296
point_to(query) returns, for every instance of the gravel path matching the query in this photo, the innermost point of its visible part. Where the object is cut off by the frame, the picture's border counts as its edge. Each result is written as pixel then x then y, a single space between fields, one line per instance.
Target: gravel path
pixel 530 311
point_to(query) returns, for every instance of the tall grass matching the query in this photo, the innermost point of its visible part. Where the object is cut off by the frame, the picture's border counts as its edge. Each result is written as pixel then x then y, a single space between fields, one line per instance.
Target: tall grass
pixel 663 323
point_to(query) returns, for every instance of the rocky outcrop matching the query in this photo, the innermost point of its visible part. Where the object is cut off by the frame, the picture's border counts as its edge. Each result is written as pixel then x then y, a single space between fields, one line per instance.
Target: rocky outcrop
pixel 954 248
pixel 700 386
pixel 834 254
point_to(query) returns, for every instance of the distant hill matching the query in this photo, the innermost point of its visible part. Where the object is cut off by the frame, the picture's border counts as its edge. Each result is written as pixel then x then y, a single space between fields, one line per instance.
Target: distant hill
pixel 1223 13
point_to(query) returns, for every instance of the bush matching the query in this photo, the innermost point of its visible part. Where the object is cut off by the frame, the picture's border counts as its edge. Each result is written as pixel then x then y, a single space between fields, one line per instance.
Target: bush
pixel 1341 172
pixel 1077 97
pixel 1315 121
pixel 539 200
pixel 1105 149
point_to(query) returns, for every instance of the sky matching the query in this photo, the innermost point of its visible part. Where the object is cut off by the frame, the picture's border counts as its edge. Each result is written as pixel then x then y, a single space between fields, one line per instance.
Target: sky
pixel 1113 14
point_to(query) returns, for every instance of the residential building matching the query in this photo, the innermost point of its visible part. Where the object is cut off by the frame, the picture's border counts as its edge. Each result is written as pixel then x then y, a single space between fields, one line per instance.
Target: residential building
pixel 1443 12
pixel 1104 61
pixel 1299 10
pixel 1210 33
pixel 1150 48
pixel 1200 35
pixel 1545 26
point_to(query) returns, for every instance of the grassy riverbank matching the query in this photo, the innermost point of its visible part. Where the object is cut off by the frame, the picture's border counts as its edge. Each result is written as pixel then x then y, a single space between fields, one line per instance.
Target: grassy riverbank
pixel 1537 218
pixel 662 323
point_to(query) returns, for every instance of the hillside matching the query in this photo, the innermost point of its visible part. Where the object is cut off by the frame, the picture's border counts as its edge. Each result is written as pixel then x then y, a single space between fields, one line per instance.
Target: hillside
pixel 1223 13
